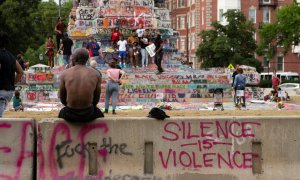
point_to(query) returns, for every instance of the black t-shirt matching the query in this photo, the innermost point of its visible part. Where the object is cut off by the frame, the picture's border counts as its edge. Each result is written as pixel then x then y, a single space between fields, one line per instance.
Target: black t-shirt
pixel 67 45
pixel 157 45
pixel 22 63
pixel 7 70
pixel 142 44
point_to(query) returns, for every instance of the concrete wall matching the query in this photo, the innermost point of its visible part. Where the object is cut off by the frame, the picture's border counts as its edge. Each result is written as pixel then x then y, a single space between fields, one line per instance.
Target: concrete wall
pixel 17 149
pixel 192 148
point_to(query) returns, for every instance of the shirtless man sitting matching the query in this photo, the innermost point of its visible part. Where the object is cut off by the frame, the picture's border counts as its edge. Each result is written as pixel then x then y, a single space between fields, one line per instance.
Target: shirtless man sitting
pixel 80 89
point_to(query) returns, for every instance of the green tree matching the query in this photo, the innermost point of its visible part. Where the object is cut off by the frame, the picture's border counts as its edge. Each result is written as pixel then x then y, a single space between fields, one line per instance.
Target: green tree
pixel 229 44
pixel 284 32
pixel 29 23
pixel 16 20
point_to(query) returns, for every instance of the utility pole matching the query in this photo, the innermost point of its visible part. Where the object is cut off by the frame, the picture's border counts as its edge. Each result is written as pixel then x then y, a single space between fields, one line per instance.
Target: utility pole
pixel 187 41
pixel 59 7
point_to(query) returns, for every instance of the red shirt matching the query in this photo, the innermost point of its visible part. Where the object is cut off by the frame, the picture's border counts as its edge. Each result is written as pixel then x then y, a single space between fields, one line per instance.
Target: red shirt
pixel 275 81
pixel 61 27
pixel 115 35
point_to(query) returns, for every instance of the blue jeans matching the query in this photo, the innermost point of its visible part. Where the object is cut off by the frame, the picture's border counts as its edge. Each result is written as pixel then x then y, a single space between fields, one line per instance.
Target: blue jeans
pixel 112 90
pixel 5 97
pixel 144 57
pixel 66 59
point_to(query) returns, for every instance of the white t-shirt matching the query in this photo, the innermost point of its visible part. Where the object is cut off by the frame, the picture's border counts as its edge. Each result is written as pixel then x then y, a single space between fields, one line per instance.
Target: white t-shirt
pixel 122 45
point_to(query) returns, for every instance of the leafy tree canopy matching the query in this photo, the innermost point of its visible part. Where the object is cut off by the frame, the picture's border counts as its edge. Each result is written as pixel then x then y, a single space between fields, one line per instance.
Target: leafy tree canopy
pixel 284 32
pixel 232 43
pixel 28 23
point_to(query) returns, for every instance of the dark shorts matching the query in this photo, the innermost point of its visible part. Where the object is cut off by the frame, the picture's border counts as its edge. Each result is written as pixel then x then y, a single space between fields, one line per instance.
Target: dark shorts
pixel 122 54
pixel 80 115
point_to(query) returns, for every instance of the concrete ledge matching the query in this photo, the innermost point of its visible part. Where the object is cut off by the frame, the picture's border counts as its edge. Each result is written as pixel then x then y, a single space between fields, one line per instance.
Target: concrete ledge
pixel 17 149
pixel 192 148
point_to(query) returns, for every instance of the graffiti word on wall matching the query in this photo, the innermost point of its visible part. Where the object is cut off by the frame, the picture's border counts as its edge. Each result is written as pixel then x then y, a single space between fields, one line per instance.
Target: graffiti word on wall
pixel 65 147
pixel 67 150
pixel 205 144
pixel 14 150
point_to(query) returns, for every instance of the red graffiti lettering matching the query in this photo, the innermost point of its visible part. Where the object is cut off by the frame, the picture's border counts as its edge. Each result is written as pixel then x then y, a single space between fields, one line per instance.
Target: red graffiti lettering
pixel 197 160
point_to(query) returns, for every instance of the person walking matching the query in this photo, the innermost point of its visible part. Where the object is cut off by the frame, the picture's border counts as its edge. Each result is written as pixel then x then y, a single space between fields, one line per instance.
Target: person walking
pixel 112 86
pixel 66 47
pixel 80 89
pixel 8 67
pixel 50 51
pixel 59 30
pixel 240 83
pixel 158 53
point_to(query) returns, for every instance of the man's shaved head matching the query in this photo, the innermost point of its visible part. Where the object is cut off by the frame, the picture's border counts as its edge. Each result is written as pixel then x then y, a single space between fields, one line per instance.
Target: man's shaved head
pixel 80 56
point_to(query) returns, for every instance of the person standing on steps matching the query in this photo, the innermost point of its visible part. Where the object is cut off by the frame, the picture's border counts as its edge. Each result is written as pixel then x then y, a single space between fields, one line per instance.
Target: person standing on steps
pixel 59 30
pixel 112 86
pixel 144 42
pixel 158 53
pixel 50 51
pixel 66 48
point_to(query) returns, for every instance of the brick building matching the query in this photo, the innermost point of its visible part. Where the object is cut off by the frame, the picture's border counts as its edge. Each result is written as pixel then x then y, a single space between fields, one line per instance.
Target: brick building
pixel 190 17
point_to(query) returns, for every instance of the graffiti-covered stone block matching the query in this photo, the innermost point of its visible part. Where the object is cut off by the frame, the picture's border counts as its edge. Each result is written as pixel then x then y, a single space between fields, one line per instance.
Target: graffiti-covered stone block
pixel 235 148
pixel 17 149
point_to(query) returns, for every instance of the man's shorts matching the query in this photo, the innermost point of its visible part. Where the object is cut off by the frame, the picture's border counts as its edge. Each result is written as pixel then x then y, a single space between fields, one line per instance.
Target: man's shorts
pixel 122 54
pixel 80 115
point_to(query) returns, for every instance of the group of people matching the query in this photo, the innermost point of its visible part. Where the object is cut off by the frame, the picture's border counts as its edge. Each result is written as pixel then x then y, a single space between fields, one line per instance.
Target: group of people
pixel 135 48
pixel 274 95
pixel 239 83
pixel 63 44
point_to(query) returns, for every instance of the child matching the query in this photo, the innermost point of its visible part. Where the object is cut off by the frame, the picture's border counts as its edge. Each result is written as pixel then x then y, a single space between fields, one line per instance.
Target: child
pixel 17 102
pixel 122 51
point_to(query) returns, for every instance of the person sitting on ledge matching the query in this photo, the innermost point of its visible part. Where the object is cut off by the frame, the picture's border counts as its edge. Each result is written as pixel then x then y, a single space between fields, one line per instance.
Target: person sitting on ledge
pixel 80 89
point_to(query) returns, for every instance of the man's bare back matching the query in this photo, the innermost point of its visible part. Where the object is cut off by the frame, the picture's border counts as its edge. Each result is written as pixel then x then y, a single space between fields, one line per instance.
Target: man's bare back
pixel 82 87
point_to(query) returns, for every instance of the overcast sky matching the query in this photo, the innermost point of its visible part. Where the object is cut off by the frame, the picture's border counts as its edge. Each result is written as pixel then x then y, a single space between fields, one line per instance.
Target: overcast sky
pixel 54 0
